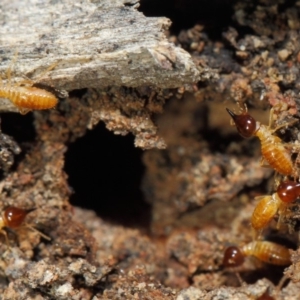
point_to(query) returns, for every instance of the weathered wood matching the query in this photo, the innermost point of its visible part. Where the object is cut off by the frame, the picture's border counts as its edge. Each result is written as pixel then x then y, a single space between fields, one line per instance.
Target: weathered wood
pixel 95 43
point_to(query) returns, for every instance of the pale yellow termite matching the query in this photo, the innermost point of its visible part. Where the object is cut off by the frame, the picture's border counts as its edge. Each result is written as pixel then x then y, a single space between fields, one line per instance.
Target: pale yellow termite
pixel 273 149
pixel 287 192
pixel 265 251
pixel 27 97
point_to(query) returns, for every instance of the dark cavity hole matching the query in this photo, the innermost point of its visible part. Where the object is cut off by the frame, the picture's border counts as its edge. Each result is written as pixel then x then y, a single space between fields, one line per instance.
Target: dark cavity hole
pixel 215 15
pixel 105 171
pixel 77 93
pixel 20 128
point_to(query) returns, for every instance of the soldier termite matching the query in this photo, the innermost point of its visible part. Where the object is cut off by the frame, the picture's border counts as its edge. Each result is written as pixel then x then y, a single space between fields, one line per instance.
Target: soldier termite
pixel 265 251
pixel 272 147
pixel 13 218
pixel 25 96
pixel 287 192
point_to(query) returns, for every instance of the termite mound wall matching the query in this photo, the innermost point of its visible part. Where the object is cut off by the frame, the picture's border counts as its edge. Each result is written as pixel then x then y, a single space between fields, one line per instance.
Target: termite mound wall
pixel 102 60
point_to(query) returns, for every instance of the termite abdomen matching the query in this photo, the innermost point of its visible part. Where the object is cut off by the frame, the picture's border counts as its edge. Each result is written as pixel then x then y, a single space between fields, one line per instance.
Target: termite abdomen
pixel 268 252
pixel 245 124
pixel 264 211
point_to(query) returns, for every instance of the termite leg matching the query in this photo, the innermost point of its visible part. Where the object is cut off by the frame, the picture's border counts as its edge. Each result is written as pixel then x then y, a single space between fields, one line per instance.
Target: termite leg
pixel 278 178
pixel 286 124
pixel 257 234
pixel 297 163
pixel 294 148
pixel 240 280
pixel 24 111
pixel 3 232
pixel 281 283
pixel 263 163
pixel 242 107
pixel 26 81
pixel 51 67
pixel 8 71
pixel 37 231
pixel 281 212
pixel 271 117
pixel 297 160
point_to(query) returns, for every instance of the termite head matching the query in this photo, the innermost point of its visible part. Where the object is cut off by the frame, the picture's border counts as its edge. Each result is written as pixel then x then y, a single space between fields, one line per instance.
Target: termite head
pixel 233 257
pixel 288 191
pixel 245 124
pixel 13 217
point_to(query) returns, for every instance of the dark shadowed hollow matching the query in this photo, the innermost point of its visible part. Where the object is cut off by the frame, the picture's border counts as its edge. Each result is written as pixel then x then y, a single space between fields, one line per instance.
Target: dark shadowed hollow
pixel 105 172
pixel 184 14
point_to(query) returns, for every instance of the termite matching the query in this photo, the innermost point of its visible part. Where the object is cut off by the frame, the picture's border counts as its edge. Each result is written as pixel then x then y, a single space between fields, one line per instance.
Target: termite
pixel 13 218
pixel 27 97
pixel 287 192
pixel 265 251
pixel 272 147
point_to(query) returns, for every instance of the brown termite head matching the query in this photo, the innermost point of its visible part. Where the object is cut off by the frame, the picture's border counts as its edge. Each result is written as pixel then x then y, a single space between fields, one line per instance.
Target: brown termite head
pixel 245 124
pixel 13 217
pixel 233 257
pixel 288 191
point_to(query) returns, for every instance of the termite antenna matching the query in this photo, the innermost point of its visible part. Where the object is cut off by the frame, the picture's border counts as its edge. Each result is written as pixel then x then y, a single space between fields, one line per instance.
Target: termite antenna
pixel 9 70
pixel 46 237
pixel 280 284
pixel 242 106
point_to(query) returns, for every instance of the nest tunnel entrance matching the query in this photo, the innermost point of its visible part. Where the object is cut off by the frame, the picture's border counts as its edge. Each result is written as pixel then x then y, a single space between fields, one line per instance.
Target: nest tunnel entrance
pixel 213 14
pixel 105 172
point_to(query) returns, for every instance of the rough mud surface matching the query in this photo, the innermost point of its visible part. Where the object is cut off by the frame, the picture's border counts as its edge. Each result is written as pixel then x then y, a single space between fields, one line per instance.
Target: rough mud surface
pixel 201 187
